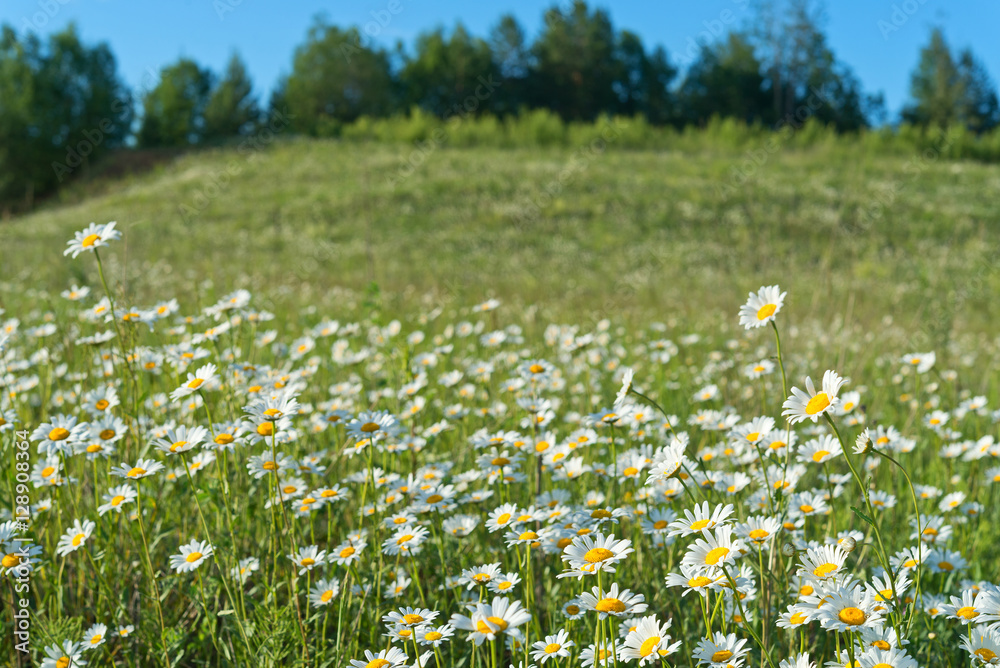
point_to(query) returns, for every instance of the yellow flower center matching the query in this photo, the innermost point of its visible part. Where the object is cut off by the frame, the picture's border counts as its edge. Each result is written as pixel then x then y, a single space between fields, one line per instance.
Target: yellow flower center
pixel 135 472
pixel 87 242
pixel 412 619
pixel 823 570
pixel 630 471
pixel 499 623
pixel 946 566
pixel 116 501
pixel 528 535
pixel 819 455
pixel 699 581
pixel 177 446
pixel 224 439
pixel 601 514
pixel 500 461
pixel 377 663
pixel 882 645
pixel 806 508
pixel 193 557
pixel 967 612
pixel 536 368
pixel 369 427
pixel 503 519
pixel 648 645
pixel 404 539
pixel 347 552
pixel 432 636
pixel 764 312
pixel 610 605
pixel 552 648
pixel 797 618
pixel 11 560
pixel 58 434
pixel 714 555
pixel 307 562
pixel 818 404
pixel 597 555
pixel 852 616
pixel 63 661
pixel 265 428
pixel 722 654
pixel 985 654
pixel 326 596
pixel 101 404
pixel 435 498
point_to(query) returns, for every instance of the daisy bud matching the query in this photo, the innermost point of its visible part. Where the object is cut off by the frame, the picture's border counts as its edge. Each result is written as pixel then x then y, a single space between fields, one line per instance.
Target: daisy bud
pixel 788 550
pixel 863 444
pixel 931 635
pixel 848 544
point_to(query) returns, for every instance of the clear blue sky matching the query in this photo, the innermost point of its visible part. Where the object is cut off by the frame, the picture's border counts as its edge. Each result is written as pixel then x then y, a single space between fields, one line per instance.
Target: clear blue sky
pixel 147 34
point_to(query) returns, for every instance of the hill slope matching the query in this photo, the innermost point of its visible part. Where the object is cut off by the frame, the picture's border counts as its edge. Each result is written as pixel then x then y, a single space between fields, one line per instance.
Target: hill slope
pixel 572 231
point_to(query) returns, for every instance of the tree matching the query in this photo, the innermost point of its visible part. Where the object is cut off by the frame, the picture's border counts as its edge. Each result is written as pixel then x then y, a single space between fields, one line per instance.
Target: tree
pixel 801 68
pixel 643 82
pixel 726 80
pixel 575 64
pixel 174 111
pixel 62 105
pixel 512 63
pixel 947 91
pixel 336 79
pixel 232 108
pixel 444 72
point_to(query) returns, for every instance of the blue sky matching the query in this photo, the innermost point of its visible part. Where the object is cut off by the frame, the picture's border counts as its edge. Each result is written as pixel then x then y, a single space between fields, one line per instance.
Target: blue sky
pixel 879 39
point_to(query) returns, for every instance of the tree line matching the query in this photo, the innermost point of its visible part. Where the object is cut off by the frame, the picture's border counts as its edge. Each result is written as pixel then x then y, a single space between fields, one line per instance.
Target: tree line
pixel 63 104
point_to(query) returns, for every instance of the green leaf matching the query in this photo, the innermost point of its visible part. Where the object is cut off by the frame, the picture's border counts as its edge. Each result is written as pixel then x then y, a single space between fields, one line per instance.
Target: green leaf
pixel 862 516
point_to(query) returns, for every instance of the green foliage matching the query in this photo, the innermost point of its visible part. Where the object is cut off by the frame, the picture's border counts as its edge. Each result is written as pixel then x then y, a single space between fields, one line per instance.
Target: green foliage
pixel 336 79
pixel 947 91
pixel 62 106
pixel 174 111
pixel 231 109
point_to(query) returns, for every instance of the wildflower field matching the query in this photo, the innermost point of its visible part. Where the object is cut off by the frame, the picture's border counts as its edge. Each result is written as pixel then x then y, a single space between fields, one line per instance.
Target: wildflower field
pixel 327 419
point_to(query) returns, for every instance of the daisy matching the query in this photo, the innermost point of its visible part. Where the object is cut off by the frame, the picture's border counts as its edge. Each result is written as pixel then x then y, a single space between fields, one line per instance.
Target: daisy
pixel 198 380
pixel 848 609
pixel 347 552
pixel 482 575
pixel 503 584
pixel 648 642
pixel 922 362
pixel 406 540
pixel 590 554
pixel 91 238
pixel 181 439
pixel 373 426
pixel 762 307
pixel 819 450
pixel 75 537
pixel 434 636
pixel 491 619
pixel 323 592
pixel 116 498
pixel 822 563
pixel 701 519
pixel 95 636
pixel 592 656
pixel 612 602
pixel 553 647
pixel 60 435
pixel 713 550
pixel 893 657
pixel 983 644
pixel 142 469
pixel 693 578
pixel 191 556
pixel 809 405
pixel 308 558
pixel 758 529
pixel 245 568
pixel 70 655
pixel 387 658
pixel 720 650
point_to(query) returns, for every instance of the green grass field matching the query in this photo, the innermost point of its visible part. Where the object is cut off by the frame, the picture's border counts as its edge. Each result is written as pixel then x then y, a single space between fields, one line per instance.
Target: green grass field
pixel 620 231
pixel 601 261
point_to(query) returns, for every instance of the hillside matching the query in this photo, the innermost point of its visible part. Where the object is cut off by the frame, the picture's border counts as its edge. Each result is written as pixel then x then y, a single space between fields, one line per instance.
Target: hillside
pixel 582 231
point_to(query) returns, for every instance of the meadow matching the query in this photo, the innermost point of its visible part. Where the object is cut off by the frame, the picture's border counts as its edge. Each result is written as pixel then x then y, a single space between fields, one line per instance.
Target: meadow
pixel 356 403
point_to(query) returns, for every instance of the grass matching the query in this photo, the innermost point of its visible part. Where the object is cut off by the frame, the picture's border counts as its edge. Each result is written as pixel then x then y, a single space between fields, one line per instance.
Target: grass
pixel 634 248
pixel 625 231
